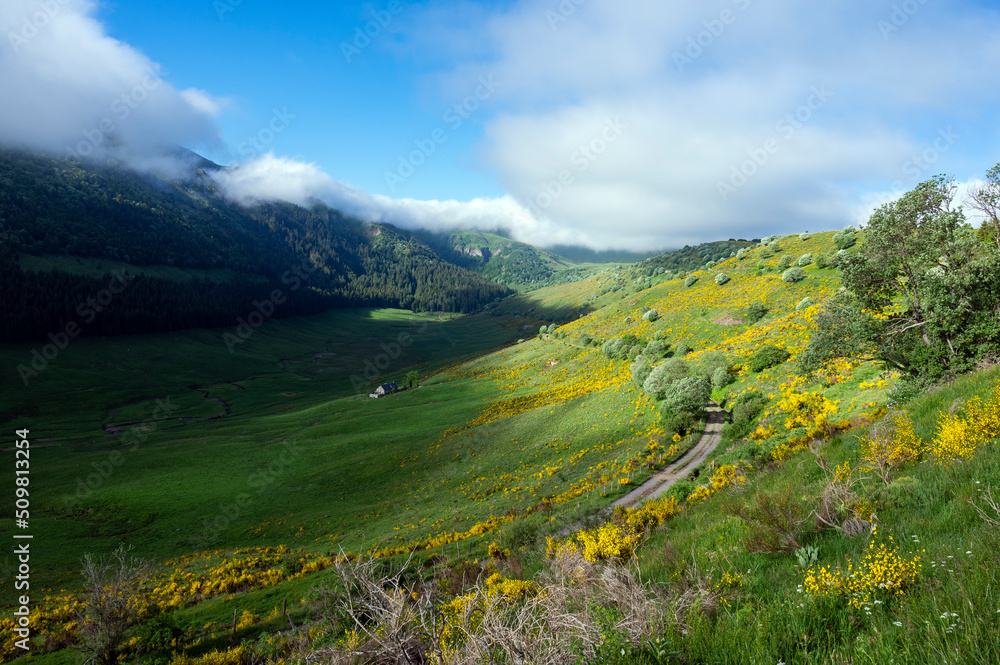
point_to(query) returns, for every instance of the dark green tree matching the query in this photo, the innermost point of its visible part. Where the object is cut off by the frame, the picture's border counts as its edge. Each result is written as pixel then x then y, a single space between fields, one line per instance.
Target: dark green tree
pixel 922 291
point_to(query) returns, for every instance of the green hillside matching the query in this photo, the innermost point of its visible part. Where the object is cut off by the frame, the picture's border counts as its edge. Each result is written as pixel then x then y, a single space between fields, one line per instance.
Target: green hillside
pixel 689 259
pixel 68 229
pixel 472 511
pixel 517 264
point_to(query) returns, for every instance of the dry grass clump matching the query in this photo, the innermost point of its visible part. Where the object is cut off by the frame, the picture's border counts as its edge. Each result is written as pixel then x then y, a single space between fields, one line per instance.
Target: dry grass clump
pixel 560 619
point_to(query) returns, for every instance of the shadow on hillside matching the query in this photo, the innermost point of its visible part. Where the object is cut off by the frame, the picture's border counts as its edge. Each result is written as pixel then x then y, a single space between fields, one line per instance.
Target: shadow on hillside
pixel 527 307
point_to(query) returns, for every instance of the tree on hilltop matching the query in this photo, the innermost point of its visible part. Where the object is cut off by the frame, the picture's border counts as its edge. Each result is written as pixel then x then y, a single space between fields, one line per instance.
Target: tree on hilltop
pixel 922 293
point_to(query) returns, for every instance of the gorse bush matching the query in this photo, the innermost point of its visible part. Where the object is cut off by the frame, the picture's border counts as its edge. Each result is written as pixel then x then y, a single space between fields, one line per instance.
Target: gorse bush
pixel 651 315
pixel 721 278
pixel 690 280
pixel 805 260
pixel 889 444
pixel 880 574
pixel 959 435
pixel 784 262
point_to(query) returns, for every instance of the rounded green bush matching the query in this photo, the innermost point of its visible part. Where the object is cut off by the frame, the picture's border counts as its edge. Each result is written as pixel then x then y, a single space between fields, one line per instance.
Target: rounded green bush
pixel 689 395
pixel 767 356
pixel 663 375
pixel 793 275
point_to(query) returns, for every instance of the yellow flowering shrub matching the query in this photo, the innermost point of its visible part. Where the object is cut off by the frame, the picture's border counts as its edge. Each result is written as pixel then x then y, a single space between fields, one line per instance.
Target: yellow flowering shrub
pixel 497 552
pixel 234 656
pixel 700 493
pixel 608 541
pixel 890 444
pixel 513 589
pixel 880 573
pixel 959 435
pixel 726 475
pixel 809 412
pixel 651 514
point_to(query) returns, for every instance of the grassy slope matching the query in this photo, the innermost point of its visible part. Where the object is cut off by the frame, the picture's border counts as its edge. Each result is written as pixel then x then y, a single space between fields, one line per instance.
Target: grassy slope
pixel 951 614
pixel 389 470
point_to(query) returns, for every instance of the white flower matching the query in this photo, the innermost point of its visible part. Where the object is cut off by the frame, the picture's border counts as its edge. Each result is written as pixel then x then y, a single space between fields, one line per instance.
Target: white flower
pixel 897 623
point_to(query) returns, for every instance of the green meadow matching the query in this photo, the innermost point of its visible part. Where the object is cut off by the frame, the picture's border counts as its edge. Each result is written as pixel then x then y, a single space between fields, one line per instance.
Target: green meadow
pixel 201 456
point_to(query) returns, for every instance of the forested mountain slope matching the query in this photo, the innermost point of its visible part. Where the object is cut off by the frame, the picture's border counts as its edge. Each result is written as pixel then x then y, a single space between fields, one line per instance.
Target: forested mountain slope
pixel 68 215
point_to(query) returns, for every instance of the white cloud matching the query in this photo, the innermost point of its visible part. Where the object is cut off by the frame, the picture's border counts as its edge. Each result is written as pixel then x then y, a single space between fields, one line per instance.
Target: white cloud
pixel 702 87
pixel 70 88
pixel 270 178
pixel 733 118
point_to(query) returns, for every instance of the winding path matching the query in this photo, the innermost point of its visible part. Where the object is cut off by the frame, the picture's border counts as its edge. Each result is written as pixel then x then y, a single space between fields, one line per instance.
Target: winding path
pixel 661 481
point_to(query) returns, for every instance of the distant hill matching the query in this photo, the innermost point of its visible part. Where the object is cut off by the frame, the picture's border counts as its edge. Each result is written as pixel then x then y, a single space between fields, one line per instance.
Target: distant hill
pixel 507 261
pixel 689 259
pixel 587 255
pixel 190 257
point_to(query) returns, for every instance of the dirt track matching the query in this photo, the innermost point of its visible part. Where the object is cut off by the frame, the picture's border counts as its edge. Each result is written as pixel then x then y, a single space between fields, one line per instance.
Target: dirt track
pixel 659 482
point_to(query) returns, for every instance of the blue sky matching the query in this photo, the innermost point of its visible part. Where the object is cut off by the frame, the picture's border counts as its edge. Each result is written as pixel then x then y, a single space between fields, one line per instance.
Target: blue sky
pixel 630 124
pixel 355 112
